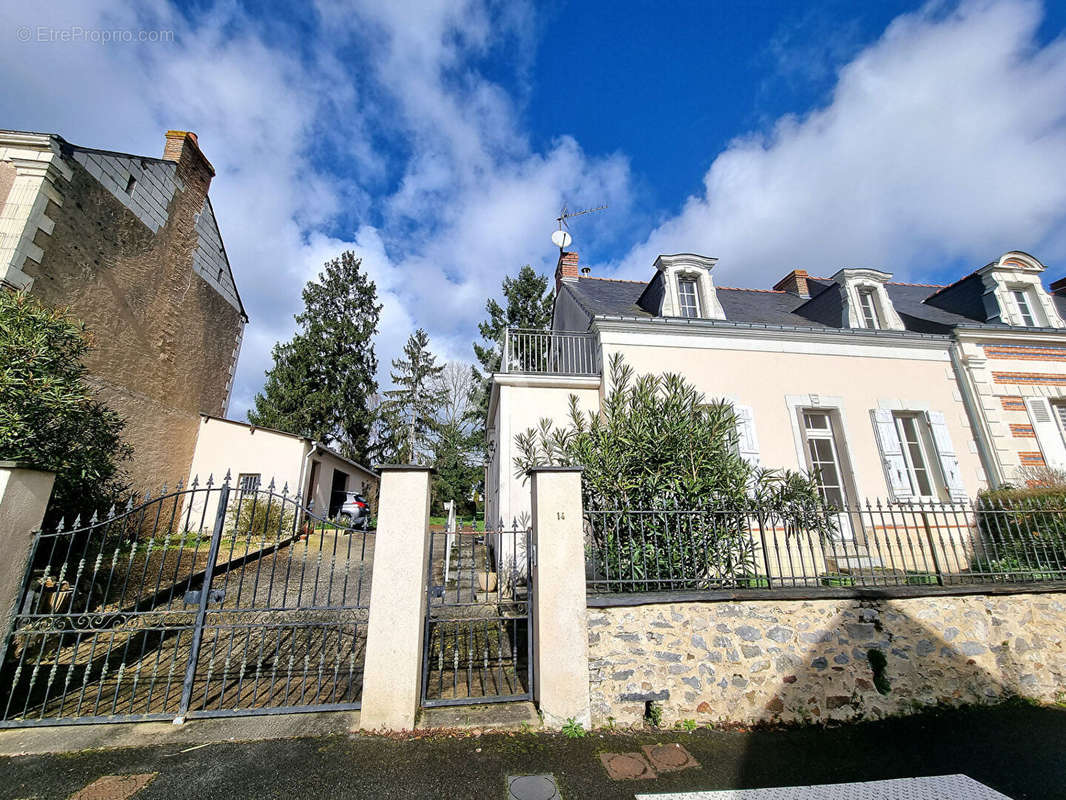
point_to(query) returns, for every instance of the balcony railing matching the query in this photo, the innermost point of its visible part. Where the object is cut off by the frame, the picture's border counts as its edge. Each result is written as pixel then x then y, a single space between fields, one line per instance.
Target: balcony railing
pixel 533 352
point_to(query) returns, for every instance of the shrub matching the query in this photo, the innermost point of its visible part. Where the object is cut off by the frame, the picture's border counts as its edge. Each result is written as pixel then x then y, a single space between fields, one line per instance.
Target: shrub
pixel 265 517
pixel 50 416
pixel 1023 533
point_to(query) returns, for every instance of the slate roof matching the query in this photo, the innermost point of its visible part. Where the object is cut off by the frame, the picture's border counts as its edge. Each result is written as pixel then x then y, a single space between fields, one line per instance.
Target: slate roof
pixel 824 309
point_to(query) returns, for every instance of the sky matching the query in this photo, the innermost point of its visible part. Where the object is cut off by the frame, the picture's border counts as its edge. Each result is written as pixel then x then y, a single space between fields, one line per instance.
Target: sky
pixel 440 139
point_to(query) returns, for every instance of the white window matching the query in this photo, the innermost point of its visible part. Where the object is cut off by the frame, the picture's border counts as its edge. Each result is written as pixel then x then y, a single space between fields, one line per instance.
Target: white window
pixel 689 297
pixel 823 458
pixel 918 456
pixel 248 482
pixel 868 308
pixel 1058 408
pixel 1025 312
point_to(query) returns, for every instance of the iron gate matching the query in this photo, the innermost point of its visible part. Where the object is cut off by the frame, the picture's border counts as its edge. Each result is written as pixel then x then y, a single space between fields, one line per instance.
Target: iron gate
pixel 206 601
pixel 478 645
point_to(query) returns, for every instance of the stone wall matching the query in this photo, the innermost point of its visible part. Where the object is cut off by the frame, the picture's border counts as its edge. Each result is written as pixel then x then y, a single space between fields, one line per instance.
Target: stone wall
pixel 164 339
pixel 819 660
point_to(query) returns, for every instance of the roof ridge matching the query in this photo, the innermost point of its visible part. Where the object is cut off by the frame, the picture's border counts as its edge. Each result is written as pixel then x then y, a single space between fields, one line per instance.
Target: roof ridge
pixel 745 289
pixel 615 280
pixel 924 285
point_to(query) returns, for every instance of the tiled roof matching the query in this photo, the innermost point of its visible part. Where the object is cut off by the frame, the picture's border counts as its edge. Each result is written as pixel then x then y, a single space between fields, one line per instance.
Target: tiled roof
pixel 824 309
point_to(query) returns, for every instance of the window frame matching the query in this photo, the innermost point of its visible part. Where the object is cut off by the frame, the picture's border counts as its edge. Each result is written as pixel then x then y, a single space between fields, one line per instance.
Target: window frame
pixel 242 489
pixel 926 447
pixel 831 434
pixel 690 280
pixel 869 302
pixel 1023 299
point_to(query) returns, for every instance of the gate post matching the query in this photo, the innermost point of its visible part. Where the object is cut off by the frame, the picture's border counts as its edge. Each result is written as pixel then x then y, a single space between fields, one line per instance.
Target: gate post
pixel 24 495
pixel 560 620
pixel 392 669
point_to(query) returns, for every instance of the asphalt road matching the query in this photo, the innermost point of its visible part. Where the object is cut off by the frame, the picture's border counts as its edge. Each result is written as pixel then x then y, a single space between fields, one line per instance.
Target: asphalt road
pixel 1016 749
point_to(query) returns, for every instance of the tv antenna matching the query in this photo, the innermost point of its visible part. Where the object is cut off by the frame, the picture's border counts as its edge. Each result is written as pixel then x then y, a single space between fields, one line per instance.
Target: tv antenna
pixel 562 238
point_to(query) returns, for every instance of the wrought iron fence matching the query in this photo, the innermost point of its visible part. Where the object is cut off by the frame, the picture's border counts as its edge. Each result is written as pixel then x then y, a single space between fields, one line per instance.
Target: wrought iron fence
pixel 749 547
pixel 550 353
pixel 477 646
pixel 208 600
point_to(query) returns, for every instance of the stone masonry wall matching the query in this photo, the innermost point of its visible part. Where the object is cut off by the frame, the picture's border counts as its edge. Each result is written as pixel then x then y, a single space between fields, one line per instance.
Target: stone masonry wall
pixel 821 660
pixel 164 339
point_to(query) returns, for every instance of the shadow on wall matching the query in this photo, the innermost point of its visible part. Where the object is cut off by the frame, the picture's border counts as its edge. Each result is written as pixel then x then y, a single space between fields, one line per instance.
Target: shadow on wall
pixel 823 660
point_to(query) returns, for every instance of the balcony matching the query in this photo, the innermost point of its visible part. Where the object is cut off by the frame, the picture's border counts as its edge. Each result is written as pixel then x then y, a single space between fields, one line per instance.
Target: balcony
pixel 532 352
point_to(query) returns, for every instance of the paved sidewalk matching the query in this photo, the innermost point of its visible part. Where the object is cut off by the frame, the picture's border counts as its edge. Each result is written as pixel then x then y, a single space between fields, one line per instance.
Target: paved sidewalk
pixel 1017 750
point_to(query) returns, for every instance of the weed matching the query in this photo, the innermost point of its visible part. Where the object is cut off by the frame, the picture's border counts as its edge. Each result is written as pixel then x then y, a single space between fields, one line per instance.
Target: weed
pixel 574 729
pixel 687 725
pixel 653 714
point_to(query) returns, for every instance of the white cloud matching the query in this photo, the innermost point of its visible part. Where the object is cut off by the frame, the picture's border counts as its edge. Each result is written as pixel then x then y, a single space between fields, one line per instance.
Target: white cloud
pixel 944 141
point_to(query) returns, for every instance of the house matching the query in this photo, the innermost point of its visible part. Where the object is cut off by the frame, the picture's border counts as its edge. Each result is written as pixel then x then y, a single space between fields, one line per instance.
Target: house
pixel 131 245
pixel 885 390
pixel 257 458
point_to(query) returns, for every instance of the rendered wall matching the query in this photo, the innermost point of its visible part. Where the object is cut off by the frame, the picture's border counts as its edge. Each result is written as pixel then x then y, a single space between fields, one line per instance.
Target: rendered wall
pixel 810 660
pixel 762 379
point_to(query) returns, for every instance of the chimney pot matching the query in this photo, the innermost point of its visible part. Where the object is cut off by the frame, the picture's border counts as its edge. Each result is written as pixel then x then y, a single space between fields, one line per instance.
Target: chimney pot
pixel 794 283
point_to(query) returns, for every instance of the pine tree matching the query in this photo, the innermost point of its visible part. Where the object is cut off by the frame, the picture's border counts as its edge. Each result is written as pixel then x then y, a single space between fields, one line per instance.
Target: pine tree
pixel 414 400
pixel 529 305
pixel 323 379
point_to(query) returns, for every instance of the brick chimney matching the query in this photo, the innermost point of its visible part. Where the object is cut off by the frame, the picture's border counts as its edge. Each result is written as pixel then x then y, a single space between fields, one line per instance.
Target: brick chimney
pixel 566 269
pixel 183 148
pixel 1058 287
pixel 794 283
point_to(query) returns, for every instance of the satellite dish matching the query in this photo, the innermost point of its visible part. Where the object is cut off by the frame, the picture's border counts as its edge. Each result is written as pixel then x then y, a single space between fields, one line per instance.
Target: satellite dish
pixel 562 239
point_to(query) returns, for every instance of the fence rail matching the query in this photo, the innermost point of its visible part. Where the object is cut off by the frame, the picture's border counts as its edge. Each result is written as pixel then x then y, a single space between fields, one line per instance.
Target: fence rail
pixel 550 353
pixel 876 544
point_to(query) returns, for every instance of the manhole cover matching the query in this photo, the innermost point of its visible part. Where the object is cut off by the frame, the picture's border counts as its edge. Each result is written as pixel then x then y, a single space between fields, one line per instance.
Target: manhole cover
pixel 626 766
pixel 532 787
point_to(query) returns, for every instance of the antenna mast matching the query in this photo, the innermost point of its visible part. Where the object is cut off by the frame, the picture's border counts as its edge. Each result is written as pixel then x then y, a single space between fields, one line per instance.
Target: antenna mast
pixel 562 238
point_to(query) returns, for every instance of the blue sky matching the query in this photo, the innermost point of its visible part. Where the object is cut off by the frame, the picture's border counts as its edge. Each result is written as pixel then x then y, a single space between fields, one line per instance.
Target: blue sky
pixel 438 139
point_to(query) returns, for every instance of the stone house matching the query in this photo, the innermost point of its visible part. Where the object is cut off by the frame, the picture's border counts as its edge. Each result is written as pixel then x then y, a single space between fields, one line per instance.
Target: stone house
pixel 131 245
pixel 886 390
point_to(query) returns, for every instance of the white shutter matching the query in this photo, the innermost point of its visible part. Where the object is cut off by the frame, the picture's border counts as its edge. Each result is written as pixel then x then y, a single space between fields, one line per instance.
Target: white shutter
pixel 747 441
pixel 1047 432
pixel 949 462
pixel 899 484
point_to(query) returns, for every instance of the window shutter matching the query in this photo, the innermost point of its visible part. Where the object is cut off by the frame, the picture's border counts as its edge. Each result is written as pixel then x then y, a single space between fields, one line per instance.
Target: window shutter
pixel 899 484
pixel 1047 432
pixel 949 462
pixel 747 441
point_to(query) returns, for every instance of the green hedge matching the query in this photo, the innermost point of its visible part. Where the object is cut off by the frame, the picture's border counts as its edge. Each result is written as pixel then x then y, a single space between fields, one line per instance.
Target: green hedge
pixel 1023 533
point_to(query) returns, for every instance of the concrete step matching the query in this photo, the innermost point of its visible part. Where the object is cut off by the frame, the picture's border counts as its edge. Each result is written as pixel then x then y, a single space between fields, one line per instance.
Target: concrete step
pixel 520 716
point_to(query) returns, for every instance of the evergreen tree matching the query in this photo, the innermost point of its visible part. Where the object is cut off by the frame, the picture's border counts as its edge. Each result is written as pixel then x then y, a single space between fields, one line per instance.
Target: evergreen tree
pixel 529 305
pixel 414 399
pixel 323 379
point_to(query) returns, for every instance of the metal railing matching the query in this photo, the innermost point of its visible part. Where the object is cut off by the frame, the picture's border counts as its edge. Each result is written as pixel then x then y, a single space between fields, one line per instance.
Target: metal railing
pixel 749 547
pixel 550 352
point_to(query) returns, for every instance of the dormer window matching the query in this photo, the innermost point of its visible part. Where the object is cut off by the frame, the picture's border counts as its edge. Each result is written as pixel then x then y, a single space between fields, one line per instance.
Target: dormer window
pixel 682 288
pixel 689 297
pixel 868 307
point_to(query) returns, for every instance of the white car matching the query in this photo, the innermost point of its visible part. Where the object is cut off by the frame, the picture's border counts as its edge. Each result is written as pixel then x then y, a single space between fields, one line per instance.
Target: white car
pixel 354 511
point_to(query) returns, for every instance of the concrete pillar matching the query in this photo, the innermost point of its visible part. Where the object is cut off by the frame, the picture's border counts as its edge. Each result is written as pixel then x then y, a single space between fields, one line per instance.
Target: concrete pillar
pixel 392 670
pixel 24 495
pixel 560 624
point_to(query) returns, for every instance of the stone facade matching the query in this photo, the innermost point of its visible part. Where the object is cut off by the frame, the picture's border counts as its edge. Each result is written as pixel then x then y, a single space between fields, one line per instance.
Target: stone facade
pixel 124 243
pixel 823 660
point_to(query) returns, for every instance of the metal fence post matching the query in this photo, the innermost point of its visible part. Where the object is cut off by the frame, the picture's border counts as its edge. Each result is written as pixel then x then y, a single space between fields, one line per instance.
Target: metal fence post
pixel 765 554
pixel 205 594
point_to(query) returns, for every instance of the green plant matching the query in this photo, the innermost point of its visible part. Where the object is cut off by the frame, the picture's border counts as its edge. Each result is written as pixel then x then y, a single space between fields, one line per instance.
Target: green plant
pixel 657 445
pixel 574 729
pixel 878 664
pixel 687 725
pixel 50 416
pixel 1023 533
pixel 653 714
pixel 264 516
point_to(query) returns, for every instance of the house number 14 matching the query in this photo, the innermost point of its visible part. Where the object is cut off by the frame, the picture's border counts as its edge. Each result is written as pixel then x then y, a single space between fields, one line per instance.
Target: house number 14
pixel 560 515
